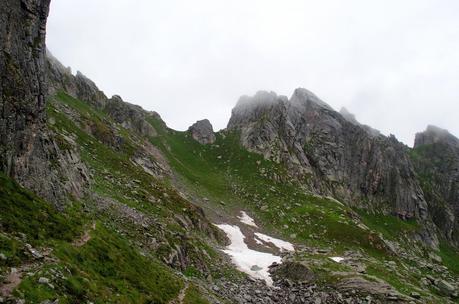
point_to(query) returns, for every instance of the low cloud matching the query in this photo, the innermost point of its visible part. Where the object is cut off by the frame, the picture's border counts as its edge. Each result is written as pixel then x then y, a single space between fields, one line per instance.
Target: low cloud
pixel 394 64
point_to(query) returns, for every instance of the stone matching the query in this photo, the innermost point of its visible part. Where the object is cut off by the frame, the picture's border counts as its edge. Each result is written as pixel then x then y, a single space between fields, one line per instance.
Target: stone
pixel 43 280
pixel 446 288
pixel 297 272
pixel 130 116
pixel 202 132
pixel 364 286
pixel 434 257
pixel 415 295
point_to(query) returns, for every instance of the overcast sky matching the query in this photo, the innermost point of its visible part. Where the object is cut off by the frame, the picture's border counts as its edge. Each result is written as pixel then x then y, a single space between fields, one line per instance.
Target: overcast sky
pixel 393 63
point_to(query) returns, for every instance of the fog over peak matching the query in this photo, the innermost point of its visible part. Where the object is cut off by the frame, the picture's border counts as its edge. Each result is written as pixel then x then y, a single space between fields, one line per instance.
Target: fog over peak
pixel 394 64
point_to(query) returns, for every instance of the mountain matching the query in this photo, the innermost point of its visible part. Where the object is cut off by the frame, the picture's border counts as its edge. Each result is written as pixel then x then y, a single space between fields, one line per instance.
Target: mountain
pixel 436 160
pixel 330 154
pixel 293 202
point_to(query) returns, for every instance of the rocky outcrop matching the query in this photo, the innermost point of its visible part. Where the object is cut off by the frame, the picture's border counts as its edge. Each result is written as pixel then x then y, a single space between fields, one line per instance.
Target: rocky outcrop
pixel 79 86
pixel 331 154
pixel 130 116
pixel 28 151
pixel 436 160
pixel 297 272
pixel 202 132
pixel 435 135
pixel 23 89
pixel 351 118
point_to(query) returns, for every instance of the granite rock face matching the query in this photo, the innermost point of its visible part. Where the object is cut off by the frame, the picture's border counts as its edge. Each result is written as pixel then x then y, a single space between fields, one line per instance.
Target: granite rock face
pixel 23 88
pixel 130 116
pixel 334 156
pixel 78 86
pixel 202 132
pixel 436 160
pixel 28 152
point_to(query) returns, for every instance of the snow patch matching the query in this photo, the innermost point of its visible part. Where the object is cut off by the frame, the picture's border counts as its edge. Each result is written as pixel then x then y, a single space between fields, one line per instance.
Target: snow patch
pixel 336 259
pixel 257 240
pixel 246 219
pixel 282 245
pixel 254 263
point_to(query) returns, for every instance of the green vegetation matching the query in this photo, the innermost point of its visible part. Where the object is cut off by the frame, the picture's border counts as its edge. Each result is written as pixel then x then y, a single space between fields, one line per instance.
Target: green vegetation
pixel 193 296
pixel 108 269
pixel 225 171
pixel 390 226
pixel 119 264
pixel 450 257
pixel 23 212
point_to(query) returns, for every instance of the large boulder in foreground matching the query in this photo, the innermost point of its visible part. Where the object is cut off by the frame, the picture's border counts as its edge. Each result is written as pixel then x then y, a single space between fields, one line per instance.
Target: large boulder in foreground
pixel 202 132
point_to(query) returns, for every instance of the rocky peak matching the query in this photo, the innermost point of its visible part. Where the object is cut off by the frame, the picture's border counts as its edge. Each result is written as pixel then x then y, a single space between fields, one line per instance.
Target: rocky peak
pixel 130 116
pixel 302 97
pixel 436 156
pixel 351 118
pixel 339 158
pixel 348 116
pixel 202 132
pixel 251 109
pixel 433 135
pixel 79 86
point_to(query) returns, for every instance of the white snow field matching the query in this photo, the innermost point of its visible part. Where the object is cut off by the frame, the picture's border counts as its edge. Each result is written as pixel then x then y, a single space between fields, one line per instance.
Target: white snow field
pixel 252 262
pixel 246 219
pixel 282 245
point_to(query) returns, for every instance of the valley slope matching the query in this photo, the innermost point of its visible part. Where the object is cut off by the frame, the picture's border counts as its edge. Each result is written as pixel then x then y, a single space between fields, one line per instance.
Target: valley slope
pixel 102 202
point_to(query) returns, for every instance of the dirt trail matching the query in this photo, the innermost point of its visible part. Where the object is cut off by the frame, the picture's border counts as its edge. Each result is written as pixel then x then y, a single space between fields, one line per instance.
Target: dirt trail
pixel 13 279
pixel 181 295
pixel 85 237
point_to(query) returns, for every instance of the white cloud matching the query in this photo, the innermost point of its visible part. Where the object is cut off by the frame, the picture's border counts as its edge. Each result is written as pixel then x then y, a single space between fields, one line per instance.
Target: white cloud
pixel 395 64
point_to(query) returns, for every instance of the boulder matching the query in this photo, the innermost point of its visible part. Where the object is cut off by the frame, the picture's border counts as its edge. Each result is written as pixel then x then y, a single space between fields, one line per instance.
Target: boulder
pixel 446 288
pixel 202 132
pixel 297 272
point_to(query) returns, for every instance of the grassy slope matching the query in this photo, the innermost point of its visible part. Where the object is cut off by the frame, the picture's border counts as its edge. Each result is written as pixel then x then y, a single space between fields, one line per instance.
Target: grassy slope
pixel 226 172
pixel 110 267
pixel 107 268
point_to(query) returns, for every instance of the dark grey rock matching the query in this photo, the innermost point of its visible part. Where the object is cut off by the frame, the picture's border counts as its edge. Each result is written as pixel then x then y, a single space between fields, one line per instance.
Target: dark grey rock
pixel 436 155
pixel 446 288
pixel 129 116
pixel 202 132
pixel 28 151
pixel 78 86
pixel 340 158
pixel 297 272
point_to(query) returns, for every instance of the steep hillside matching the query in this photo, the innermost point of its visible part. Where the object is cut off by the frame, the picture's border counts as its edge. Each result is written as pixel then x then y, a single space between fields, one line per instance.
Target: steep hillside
pixel 101 202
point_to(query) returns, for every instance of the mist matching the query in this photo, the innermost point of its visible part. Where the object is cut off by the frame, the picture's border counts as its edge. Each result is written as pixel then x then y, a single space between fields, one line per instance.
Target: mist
pixel 394 64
